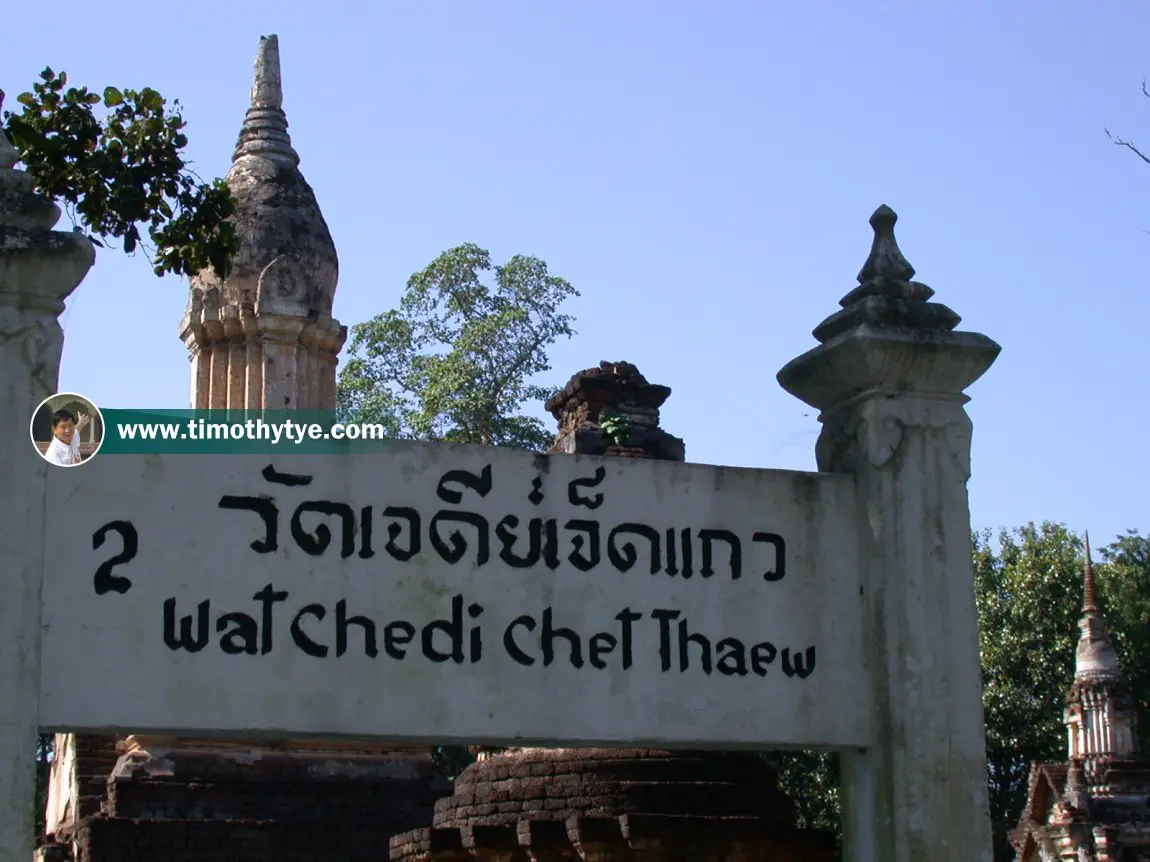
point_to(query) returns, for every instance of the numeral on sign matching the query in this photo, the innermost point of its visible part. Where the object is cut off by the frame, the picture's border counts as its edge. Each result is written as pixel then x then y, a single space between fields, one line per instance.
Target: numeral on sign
pixel 104 581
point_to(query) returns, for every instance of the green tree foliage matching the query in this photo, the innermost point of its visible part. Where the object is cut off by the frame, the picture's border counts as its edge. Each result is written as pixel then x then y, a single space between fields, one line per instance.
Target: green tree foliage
pixel 452 759
pixel 1028 591
pixel 453 362
pixel 126 170
pixel 811 780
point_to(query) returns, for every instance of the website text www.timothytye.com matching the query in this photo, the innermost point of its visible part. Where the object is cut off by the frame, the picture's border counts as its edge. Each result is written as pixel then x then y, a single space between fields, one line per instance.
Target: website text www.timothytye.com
pixel 285 431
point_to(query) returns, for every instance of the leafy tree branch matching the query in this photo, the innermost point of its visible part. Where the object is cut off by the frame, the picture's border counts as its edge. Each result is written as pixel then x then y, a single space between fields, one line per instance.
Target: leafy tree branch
pixel 123 175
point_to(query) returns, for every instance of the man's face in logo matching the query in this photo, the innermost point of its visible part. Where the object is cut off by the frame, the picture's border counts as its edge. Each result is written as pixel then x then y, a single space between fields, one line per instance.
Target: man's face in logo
pixel 64 430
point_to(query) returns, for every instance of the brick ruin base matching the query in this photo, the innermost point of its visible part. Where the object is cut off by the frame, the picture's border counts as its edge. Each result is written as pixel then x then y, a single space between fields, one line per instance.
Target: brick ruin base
pixel 615 804
pixel 629 836
pixel 288 807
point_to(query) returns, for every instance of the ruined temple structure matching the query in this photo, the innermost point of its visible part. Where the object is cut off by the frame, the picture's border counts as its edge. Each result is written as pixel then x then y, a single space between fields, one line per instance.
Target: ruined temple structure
pixel 1095 807
pixel 614 804
pixel 613 390
pixel 262 338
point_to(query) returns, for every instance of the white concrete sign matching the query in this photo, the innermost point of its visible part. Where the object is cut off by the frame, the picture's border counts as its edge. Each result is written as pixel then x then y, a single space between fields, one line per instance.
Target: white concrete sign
pixel 454 593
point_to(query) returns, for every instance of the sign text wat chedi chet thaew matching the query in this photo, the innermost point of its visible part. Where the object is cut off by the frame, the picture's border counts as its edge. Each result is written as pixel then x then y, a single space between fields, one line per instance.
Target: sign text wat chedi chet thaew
pixel 457 593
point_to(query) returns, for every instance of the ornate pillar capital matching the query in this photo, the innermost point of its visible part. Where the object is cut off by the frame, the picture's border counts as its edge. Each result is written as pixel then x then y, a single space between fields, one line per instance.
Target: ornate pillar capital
pixel 889 377
pixel 279 329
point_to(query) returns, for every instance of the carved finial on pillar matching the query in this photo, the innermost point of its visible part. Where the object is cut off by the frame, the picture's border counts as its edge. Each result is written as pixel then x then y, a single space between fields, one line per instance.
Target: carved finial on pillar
pixel 886 260
pixel 885 295
pixel 887 305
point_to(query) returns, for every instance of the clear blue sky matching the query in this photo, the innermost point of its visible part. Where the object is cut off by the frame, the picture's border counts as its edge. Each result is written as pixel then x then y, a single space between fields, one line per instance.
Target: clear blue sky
pixel 703 173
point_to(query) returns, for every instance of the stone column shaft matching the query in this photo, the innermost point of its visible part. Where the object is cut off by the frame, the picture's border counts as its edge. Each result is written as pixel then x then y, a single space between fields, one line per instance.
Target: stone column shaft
pixel 233 345
pixel 306 382
pixel 279 344
pixel 201 362
pixel 889 378
pixel 921 792
pixel 304 376
pixel 328 345
pixel 315 369
pixel 237 375
pixel 253 360
pixel 218 388
pixel 39 268
pixel 195 338
pixel 326 365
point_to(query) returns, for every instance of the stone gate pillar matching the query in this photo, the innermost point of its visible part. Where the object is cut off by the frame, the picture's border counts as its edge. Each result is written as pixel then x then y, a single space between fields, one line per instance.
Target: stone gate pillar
pixel 888 378
pixel 39 268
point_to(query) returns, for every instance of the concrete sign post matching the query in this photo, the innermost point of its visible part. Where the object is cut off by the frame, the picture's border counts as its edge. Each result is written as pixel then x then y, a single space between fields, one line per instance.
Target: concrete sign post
pixel 436 593
pixel 889 377
pixel 39 268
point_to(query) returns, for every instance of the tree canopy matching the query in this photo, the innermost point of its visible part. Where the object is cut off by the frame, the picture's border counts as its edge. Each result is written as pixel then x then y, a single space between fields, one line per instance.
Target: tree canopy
pixel 454 362
pixel 126 170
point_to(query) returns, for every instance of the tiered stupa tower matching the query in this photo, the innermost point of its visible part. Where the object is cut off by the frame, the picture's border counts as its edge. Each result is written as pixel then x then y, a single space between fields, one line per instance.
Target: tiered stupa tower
pixel 261 338
pixel 1101 720
pixel 1091 808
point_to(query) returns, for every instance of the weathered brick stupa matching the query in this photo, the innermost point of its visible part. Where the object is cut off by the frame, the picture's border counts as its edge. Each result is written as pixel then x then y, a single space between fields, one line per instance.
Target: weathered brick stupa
pixel 609 804
pixel 262 338
pixel 1095 807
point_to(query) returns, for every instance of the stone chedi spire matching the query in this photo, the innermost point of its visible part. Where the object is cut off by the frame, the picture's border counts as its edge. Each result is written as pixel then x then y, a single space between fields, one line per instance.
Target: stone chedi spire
pixel 263 337
pixel 1100 717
